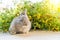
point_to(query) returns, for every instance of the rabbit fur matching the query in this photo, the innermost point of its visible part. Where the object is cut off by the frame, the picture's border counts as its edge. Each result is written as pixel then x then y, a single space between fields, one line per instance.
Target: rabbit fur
pixel 20 24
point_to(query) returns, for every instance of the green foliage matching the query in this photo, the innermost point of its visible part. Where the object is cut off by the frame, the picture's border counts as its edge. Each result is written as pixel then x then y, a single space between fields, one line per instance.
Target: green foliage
pixel 38 13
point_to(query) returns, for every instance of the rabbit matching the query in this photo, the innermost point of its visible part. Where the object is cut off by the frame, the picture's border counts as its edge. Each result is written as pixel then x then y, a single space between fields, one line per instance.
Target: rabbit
pixel 20 24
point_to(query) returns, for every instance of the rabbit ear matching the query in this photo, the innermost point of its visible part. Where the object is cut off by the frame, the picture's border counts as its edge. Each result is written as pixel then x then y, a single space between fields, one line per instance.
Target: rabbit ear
pixel 20 11
pixel 25 11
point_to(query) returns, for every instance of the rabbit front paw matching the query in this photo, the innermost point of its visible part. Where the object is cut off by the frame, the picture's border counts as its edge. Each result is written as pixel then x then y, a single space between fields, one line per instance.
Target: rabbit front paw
pixel 12 32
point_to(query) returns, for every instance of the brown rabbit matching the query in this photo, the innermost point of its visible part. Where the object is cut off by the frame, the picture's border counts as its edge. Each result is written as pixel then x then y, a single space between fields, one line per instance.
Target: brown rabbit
pixel 20 24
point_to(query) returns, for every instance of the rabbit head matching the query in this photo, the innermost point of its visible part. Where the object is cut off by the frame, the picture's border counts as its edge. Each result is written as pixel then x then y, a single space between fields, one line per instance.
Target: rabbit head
pixel 24 12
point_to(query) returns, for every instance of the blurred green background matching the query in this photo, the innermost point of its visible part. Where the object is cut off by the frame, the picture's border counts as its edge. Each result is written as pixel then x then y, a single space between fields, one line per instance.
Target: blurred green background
pixel 43 15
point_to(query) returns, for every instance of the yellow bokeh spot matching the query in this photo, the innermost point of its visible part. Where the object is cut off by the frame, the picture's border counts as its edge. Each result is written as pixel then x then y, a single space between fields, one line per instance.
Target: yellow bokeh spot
pixel 58 9
pixel 30 17
pixel 38 16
